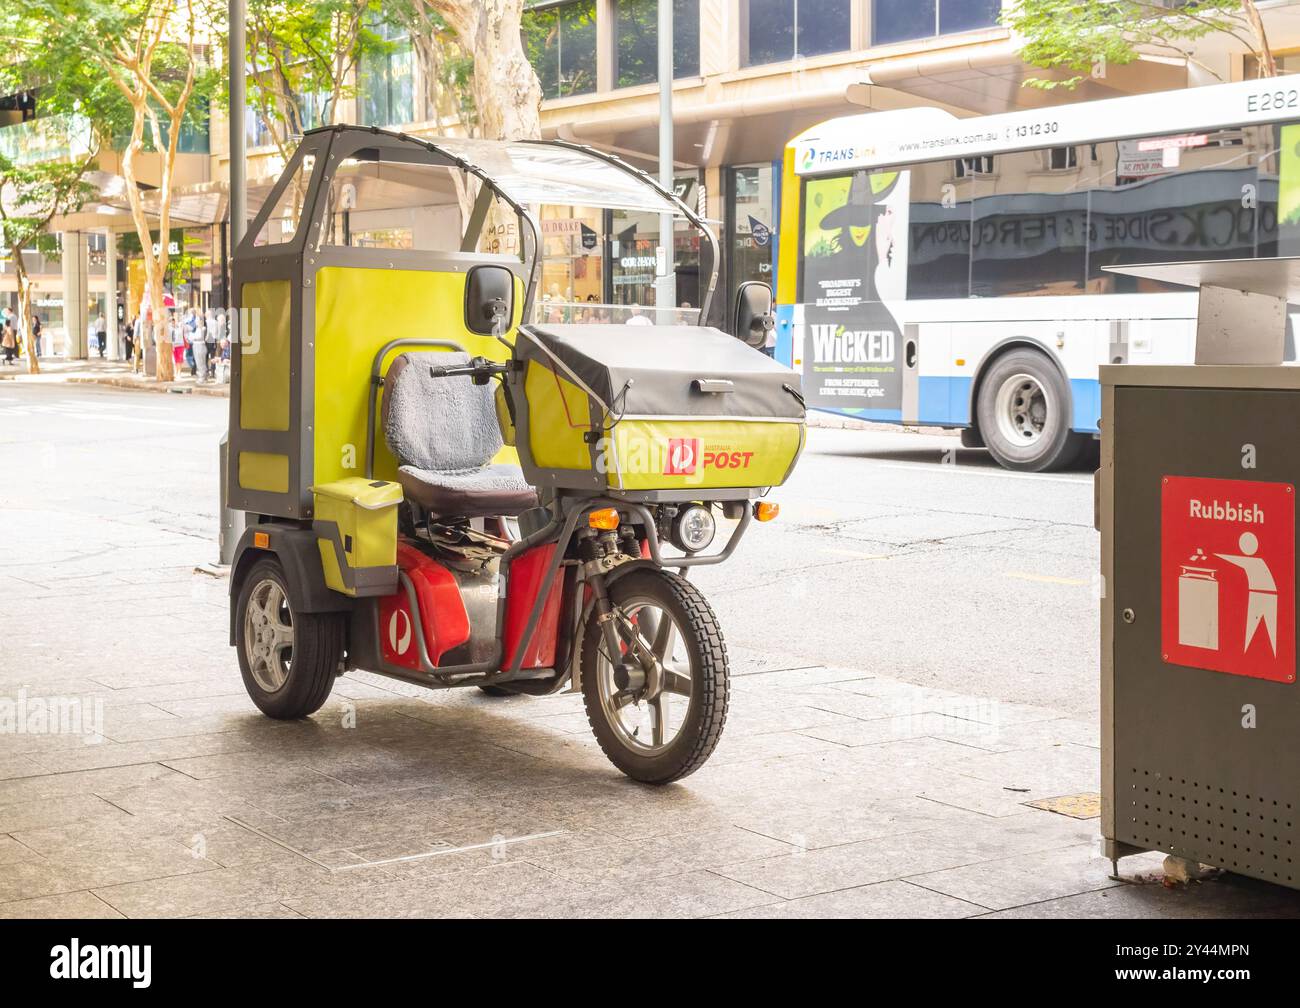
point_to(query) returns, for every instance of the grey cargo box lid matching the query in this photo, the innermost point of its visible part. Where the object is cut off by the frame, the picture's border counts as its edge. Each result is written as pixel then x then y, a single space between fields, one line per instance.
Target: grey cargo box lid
pixel 668 370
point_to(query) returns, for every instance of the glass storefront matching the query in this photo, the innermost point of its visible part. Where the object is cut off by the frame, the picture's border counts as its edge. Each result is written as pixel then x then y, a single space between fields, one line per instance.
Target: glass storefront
pixel 634 237
pixel 385 83
pixel 750 224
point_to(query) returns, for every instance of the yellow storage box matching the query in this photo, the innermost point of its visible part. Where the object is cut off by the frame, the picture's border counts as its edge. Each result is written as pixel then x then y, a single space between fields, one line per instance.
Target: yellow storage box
pixel 653 408
pixel 355 522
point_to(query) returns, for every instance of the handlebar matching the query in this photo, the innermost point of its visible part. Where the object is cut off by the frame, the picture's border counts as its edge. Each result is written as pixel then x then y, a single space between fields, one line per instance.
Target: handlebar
pixel 479 368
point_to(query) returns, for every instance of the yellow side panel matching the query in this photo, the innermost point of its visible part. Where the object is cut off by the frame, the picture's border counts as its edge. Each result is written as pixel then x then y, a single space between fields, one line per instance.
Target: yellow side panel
pixel 264 360
pixel 330 564
pixel 704 453
pixel 357 311
pixel 558 416
pixel 788 250
pixel 264 471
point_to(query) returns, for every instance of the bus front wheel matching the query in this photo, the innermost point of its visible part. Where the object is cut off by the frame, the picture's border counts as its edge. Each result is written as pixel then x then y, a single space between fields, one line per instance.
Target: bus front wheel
pixel 1023 413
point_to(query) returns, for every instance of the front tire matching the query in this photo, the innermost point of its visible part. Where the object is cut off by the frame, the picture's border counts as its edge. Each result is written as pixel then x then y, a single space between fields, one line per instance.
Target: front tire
pixel 1023 413
pixel 656 726
pixel 288 659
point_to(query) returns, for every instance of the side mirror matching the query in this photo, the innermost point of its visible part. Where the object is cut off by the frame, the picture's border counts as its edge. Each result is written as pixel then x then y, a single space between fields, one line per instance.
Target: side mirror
pixel 489 300
pixel 753 319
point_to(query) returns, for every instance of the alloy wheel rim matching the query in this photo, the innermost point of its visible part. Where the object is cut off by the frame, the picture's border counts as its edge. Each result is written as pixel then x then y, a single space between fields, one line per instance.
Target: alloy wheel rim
pixel 268 635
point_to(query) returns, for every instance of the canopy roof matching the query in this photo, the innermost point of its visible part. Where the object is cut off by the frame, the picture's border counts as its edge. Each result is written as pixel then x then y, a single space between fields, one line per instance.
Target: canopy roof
pixel 539 171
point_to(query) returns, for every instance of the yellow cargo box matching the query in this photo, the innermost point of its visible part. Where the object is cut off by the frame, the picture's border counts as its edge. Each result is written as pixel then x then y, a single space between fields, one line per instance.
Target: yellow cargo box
pixel 355 522
pixel 653 409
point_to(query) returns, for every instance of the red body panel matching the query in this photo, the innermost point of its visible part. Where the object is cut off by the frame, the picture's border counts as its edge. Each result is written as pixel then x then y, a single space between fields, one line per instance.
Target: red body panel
pixel 526 575
pixel 442 614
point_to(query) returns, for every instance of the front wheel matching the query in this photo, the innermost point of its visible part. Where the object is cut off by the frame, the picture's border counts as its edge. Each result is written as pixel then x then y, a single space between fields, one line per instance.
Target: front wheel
pixel 288 659
pixel 658 703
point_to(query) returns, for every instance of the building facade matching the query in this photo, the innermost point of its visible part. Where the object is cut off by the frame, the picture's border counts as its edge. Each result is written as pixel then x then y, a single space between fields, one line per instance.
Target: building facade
pixel 748 76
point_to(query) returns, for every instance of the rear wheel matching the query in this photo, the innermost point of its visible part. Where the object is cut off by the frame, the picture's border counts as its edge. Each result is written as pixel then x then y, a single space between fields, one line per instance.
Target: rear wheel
pixel 658 705
pixel 288 660
pixel 498 691
pixel 1023 412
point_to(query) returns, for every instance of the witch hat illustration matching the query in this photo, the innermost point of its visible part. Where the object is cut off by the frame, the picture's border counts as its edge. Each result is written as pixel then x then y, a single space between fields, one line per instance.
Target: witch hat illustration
pixel 863 202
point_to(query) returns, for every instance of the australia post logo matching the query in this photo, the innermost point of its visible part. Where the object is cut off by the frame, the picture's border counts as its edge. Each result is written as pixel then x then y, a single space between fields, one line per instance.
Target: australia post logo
pixel 683 457
pixel 689 456
pixel 1227 576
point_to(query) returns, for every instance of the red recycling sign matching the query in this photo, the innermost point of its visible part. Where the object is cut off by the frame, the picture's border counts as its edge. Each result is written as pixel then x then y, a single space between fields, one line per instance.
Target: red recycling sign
pixel 1227 576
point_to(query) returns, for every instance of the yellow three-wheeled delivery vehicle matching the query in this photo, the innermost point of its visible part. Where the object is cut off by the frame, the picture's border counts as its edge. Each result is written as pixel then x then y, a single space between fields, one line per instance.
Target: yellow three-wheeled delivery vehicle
pixel 440 492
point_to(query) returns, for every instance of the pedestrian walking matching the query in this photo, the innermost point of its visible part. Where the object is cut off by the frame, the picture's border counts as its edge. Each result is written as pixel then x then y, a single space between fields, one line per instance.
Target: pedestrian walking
pixel 101 334
pixel 210 337
pixel 128 338
pixel 198 353
pixel 8 341
pixel 38 341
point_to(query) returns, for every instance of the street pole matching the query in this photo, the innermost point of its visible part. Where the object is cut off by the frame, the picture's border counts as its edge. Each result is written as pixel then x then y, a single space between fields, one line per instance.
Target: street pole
pixel 666 282
pixel 233 522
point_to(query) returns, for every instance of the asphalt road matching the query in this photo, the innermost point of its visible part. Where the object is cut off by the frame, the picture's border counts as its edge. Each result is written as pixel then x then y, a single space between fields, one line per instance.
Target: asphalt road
pixel 897 553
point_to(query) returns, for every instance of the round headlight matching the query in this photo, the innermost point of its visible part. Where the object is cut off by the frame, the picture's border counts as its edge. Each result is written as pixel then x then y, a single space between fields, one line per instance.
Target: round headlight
pixel 693 528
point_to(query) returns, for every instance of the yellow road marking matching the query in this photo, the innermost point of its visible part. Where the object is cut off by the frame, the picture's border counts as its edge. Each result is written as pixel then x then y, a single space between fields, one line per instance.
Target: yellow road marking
pixel 1047 579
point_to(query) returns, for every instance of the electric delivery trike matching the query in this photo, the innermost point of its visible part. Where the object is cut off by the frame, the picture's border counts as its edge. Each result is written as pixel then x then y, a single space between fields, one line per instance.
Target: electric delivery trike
pixel 439 491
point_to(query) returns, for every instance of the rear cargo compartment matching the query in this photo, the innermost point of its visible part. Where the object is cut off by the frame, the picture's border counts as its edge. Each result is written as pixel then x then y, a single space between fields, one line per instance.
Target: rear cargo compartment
pixel 673 408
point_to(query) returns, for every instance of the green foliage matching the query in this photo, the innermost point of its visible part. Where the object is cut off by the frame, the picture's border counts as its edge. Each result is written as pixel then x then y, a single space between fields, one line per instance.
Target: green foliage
pixel 300 52
pixel 33 195
pixel 1081 38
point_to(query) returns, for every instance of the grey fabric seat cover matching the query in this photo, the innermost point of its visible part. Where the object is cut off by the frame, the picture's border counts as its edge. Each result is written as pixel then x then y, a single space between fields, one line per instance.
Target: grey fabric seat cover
pixel 444 433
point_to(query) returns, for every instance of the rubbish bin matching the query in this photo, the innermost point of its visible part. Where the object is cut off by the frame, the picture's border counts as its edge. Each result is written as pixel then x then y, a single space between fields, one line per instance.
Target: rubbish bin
pixel 1200 708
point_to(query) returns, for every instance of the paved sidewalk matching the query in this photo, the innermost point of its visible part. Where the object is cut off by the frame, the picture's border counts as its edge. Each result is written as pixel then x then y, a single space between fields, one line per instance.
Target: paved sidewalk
pixel 115 374
pixel 835 791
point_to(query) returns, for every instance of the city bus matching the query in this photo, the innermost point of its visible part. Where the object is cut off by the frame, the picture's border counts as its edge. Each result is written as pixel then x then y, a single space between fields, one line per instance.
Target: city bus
pixel 952 273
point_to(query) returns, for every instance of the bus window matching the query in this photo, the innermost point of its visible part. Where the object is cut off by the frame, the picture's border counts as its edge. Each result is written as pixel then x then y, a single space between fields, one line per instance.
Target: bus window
pixel 939 232
pixel 1029 230
pixel 1165 199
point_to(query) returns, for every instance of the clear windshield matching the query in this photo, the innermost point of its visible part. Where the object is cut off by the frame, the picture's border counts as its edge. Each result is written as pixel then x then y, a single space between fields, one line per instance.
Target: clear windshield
pixel 537 173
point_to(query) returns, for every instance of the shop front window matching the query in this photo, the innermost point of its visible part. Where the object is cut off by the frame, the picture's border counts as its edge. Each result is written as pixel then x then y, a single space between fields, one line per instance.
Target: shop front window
pixel 560 40
pixel 634 248
pixel 751 224
pixel 573 278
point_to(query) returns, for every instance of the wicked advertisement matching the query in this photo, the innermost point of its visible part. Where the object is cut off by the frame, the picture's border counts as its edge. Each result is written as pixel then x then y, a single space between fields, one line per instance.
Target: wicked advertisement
pixel 855 247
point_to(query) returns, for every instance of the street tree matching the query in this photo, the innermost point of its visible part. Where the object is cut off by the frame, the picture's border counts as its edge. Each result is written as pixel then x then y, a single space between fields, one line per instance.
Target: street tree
pixel 1082 37
pixel 31 196
pixel 303 57
pixel 156 57
pixel 478 42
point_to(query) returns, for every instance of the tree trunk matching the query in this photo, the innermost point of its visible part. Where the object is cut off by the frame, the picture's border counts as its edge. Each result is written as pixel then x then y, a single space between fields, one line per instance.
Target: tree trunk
pixel 1264 52
pixel 25 313
pixel 507 94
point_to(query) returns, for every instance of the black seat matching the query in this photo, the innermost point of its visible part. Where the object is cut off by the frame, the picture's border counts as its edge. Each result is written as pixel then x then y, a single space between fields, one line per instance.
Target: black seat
pixel 444 434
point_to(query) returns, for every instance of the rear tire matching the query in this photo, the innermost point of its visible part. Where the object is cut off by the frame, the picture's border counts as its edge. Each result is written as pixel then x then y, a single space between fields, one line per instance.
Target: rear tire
pixel 288 659
pixel 498 691
pixel 697 658
pixel 1023 413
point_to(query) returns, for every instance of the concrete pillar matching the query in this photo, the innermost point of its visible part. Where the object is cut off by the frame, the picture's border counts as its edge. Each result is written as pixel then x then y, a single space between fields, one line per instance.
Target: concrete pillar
pixel 76 271
pixel 115 348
